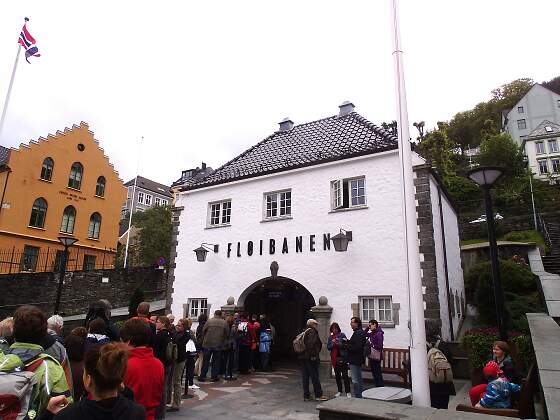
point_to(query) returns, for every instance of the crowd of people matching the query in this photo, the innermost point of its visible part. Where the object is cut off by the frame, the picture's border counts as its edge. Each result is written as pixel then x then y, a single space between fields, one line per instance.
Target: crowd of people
pixel 135 372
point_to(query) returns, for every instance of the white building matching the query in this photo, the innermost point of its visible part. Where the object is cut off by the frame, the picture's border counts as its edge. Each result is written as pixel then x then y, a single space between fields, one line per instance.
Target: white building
pixel 272 212
pixel 148 194
pixel 542 149
pixel 539 104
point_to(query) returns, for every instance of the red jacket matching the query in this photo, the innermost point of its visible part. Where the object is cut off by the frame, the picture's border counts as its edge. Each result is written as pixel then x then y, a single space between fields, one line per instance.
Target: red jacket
pixel 144 376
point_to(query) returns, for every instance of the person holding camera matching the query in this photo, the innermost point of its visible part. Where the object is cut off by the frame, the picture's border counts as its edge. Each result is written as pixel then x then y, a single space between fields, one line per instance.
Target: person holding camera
pixel 337 345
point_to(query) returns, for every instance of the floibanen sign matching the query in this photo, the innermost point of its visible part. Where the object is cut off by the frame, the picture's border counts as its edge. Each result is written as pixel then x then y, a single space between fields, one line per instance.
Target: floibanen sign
pixel 271 246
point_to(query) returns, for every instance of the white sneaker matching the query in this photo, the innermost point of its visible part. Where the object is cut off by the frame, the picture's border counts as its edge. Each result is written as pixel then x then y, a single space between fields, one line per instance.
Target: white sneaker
pixel 348 395
pixel 337 395
pixel 193 386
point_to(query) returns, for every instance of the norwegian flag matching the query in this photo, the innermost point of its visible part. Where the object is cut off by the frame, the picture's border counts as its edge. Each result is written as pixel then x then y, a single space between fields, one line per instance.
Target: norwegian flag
pixel 28 42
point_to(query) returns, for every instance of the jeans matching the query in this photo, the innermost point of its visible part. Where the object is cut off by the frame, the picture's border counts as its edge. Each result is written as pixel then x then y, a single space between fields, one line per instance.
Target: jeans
pixel 357 380
pixel 310 369
pixel 189 370
pixel 265 356
pixel 227 363
pixel 177 394
pixel 376 372
pixel 215 355
pixel 340 374
pixel 244 358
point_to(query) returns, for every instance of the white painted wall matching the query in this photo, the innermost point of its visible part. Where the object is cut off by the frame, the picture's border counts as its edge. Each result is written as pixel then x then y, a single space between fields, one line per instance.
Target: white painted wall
pixel 373 265
pixel 533 157
pixel 538 104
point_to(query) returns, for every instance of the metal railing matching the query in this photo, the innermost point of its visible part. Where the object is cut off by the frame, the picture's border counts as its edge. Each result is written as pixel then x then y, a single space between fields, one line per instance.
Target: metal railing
pixel 543 230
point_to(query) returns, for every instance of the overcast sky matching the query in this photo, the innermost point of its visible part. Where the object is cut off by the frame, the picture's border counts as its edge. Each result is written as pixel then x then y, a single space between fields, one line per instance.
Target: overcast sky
pixel 205 80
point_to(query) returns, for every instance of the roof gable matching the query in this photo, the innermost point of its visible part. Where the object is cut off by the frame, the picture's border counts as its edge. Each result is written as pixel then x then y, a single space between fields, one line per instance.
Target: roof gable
pixel 321 141
pixel 536 86
pixel 545 129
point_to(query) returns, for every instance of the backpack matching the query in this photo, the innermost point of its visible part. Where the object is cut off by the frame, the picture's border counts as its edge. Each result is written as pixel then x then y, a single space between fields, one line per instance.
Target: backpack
pixel 18 397
pixel 243 330
pixel 438 367
pixel 299 342
pixel 171 351
pixel 367 348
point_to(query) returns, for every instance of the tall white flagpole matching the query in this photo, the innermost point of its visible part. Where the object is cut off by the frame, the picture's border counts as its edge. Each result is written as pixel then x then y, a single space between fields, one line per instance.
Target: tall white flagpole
pixel 132 202
pixel 418 355
pixel 9 93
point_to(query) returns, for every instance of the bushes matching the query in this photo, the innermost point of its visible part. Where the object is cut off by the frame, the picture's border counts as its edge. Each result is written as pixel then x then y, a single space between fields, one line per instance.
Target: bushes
pixel 520 291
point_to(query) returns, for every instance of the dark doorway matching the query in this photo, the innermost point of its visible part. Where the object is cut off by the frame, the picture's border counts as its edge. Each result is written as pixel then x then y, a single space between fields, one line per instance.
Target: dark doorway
pixel 286 304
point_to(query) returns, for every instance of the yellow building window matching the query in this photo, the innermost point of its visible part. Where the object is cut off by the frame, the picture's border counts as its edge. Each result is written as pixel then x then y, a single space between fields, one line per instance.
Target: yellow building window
pixel 68 219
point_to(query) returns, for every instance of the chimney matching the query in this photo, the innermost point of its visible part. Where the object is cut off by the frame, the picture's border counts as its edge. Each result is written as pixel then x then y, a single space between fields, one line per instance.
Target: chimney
pixel 345 109
pixel 286 124
pixel 203 166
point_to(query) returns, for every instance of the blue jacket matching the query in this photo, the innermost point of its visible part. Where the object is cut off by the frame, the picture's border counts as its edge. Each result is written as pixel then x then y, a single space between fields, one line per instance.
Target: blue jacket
pixel 342 348
pixel 498 394
pixel 264 341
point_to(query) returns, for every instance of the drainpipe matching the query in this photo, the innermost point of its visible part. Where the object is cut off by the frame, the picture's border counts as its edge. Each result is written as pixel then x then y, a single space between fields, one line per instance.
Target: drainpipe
pixel 445 265
pixel 4 169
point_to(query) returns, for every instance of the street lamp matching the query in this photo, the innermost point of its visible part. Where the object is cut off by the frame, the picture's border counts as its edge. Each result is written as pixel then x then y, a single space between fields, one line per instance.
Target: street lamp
pixel 485 177
pixel 340 240
pixel 203 249
pixel 67 242
pixel 526 162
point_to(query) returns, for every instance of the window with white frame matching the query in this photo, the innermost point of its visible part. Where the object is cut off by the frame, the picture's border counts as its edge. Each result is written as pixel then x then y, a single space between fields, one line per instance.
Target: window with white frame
pixel 379 308
pixel 553 146
pixel 148 200
pixel 198 307
pixel 521 124
pixel 141 197
pixel 129 192
pixel 543 166
pixel 278 204
pixel 157 200
pixel 555 165
pixel 520 110
pixel 539 147
pixel 348 193
pixel 219 213
pixel 164 202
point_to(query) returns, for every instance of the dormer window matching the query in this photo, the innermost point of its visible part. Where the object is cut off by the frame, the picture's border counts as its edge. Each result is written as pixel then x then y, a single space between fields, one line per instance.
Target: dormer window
pixel 548 129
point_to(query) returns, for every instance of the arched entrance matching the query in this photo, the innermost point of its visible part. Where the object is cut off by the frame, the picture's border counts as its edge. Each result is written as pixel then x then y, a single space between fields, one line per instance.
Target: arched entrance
pixel 286 303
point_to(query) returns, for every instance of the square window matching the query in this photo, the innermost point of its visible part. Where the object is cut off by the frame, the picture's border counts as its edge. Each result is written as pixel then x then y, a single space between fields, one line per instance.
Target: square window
pixel 552 146
pixel 521 124
pixel 539 146
pixel 348 193
pixel 198 307
pixel 520 110
pixel 379 308
pixel 219 213
pixel 278 204
pixel 543 167
pixel 29 258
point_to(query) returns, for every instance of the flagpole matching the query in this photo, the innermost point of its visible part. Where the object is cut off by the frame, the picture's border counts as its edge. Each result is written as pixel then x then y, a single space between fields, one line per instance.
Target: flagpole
pixel 9 93
pixel 418 356
pixel 132 202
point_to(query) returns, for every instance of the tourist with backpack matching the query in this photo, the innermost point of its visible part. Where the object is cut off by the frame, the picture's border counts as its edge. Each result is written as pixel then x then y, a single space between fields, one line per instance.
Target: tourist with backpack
pixel 358 349
pixel 104 372
pixel 308 346
pixel 337 345
pixel 214 337
pixel 244 344
pixel 28 369
pixel 374 337
pixel 440 376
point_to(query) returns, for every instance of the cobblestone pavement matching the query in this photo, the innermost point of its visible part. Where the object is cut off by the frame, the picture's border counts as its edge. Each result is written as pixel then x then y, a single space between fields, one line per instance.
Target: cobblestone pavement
pixel 258 396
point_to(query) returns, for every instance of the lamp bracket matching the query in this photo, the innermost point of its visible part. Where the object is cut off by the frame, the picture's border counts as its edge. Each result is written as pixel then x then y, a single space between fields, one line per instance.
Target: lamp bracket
pixel 348 234
pixel 212 247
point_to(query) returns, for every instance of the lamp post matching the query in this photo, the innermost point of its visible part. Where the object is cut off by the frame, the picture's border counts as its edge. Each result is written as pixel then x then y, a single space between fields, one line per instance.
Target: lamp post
pixel 67 242
pixel 526 161
pixel 485 177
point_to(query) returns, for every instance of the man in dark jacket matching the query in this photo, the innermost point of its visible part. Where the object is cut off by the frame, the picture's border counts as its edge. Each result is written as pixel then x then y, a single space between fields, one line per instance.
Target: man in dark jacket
pixel 214 337
pixel 356 355
pixel 310 361
pixel 180 340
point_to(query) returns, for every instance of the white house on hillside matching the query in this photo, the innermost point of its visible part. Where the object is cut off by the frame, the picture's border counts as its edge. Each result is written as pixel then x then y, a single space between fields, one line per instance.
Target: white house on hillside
pixel 264 226
pixel 542 147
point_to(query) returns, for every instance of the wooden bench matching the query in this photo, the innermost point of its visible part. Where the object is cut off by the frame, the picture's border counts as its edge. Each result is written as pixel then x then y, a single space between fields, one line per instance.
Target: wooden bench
pixel 523 407
pixel 394 362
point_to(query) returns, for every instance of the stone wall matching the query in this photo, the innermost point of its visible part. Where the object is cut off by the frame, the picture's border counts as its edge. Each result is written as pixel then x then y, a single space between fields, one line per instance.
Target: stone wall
pixel 80 289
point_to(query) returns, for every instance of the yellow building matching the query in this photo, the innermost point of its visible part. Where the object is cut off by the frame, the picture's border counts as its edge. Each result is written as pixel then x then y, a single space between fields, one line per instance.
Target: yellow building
pixel 63 185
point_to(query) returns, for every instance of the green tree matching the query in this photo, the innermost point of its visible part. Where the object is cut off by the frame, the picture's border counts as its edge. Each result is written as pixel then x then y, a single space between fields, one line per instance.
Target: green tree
pixel 437 149
pixel 154 237
pixel 502 150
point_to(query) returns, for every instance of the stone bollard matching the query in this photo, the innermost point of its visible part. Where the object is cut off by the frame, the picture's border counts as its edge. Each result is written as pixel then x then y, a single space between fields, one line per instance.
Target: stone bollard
pixel 322 314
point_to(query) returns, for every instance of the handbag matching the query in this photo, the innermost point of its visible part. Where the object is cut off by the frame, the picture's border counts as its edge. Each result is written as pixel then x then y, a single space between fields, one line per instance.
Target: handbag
pixel 375 355
pixel 190 347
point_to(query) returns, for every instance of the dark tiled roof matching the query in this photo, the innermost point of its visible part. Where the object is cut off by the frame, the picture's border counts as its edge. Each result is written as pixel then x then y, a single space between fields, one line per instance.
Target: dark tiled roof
pixel 192 175
pixel 326 140
pixel 545 129
pixel 4 155
pixel 150 185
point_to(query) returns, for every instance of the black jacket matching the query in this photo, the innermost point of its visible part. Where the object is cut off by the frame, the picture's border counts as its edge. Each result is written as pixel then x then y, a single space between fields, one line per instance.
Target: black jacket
pixel 181 340
pixel 356 347
pixel 163 337
pixel 119 408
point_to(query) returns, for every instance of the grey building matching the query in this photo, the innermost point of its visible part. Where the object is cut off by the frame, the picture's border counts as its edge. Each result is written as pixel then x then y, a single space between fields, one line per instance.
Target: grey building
pixel 148 194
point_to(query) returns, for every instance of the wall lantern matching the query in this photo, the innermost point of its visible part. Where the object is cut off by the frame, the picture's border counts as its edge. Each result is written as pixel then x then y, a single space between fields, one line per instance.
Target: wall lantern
pixel 340 240
pixel 203 249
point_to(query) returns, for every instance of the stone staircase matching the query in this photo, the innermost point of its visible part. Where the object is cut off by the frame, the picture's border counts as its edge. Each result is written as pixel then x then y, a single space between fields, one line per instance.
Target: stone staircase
pixel 551 261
